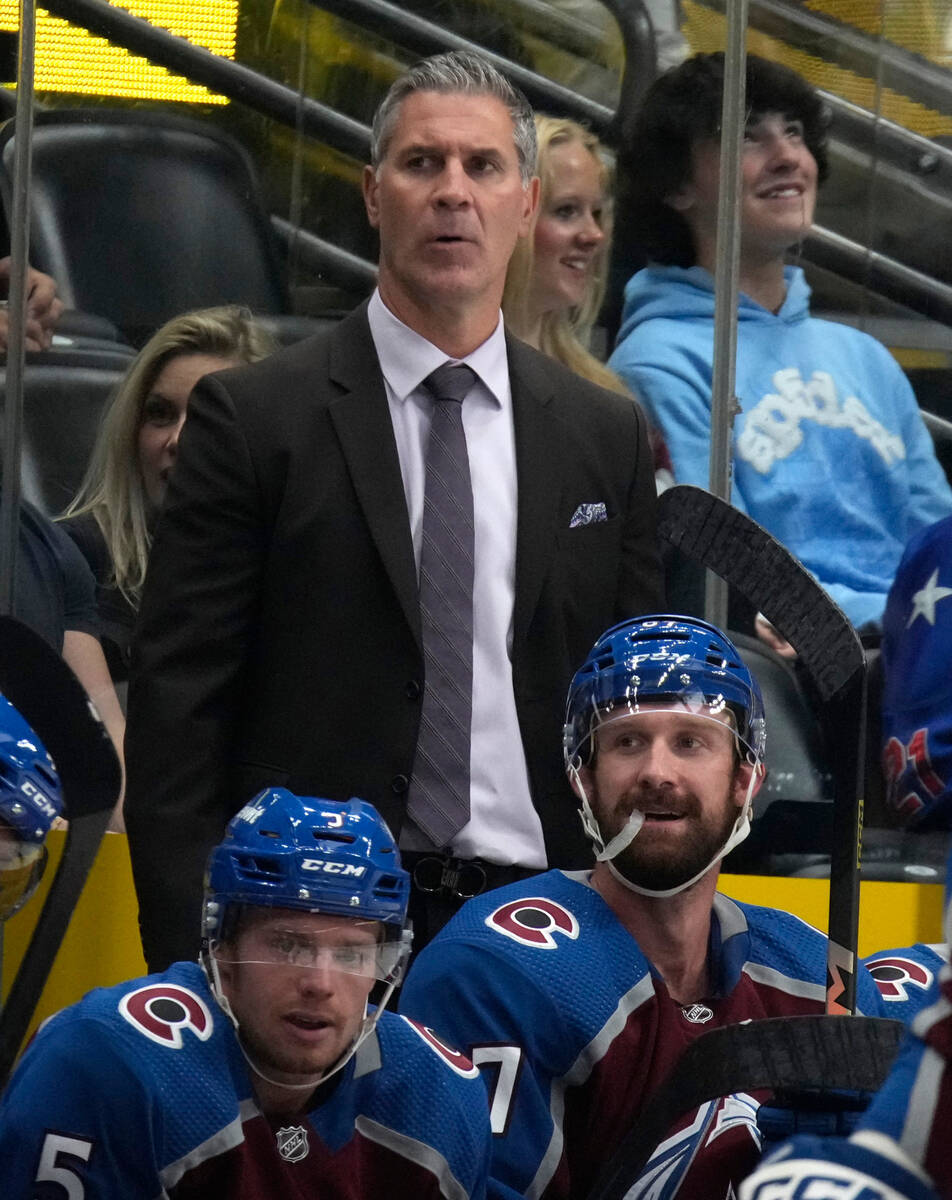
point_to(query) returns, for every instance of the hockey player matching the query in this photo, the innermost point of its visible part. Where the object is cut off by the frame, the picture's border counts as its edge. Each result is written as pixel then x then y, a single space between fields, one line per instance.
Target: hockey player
pixel 578 991
pixel 261 1072
pixel 30 801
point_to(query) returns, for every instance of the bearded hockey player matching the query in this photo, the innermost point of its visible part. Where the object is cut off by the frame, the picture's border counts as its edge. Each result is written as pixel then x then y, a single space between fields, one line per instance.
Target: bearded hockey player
pixel 261 1072
pixel 579 991
pixel 30 801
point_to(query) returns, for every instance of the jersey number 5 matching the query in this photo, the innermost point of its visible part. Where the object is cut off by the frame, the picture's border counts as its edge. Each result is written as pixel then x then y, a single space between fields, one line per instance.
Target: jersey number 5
pixel 506 1062
pixel 50 1170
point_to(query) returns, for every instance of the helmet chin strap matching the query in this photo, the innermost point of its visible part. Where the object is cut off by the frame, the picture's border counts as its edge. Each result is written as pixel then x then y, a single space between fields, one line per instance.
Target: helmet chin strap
pixel 209 965
pixel 627 834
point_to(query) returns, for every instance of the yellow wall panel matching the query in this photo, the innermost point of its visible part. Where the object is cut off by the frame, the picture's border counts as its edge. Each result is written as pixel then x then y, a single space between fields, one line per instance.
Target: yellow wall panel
pixel 102 946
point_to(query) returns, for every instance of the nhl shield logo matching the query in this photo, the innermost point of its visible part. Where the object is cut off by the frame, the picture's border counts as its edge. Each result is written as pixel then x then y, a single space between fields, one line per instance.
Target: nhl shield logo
pixel 292 1143
pixel 697 1014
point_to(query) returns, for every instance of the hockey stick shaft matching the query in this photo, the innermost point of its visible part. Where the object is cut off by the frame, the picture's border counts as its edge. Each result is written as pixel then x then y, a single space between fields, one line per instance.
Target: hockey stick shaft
pixel 730 543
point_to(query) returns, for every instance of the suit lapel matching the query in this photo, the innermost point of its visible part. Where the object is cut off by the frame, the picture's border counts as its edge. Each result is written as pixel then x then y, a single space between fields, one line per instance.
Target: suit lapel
pixel 538 467
pixel 361 417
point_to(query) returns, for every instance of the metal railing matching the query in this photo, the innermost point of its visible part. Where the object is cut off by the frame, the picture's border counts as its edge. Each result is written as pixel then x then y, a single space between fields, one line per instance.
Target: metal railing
pixel 931 164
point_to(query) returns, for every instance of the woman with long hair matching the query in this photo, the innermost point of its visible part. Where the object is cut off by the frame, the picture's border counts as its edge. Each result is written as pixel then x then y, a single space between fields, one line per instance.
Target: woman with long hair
pixel 557 276
pixel 112 516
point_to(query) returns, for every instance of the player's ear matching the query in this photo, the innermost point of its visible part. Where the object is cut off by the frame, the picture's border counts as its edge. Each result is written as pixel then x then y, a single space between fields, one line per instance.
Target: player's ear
pixel 226 968
pixel 742 777
pixel 581 778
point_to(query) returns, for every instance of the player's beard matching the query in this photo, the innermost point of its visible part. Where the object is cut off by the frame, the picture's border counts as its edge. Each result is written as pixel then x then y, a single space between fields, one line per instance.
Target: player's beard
pixel 654 863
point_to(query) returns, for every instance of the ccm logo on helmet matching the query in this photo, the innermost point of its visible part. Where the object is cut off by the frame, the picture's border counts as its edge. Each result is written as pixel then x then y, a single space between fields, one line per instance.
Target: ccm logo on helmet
pixel 29 789
pixel 533 921
pixel 332 868
pixel 162 1010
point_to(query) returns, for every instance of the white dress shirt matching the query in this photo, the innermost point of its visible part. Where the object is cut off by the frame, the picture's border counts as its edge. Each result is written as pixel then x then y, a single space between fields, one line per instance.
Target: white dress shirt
pixel 504 827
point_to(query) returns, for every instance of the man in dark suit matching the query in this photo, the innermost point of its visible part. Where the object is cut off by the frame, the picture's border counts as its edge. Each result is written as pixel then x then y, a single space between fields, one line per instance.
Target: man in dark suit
pixel 281 641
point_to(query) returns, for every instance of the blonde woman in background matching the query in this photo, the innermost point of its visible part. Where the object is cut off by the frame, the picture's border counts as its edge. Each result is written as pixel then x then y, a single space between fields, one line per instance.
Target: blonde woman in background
pixel 556 280
pixel 113 514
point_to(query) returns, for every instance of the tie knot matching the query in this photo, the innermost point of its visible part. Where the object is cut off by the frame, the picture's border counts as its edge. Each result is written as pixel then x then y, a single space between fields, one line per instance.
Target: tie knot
pixel 450 382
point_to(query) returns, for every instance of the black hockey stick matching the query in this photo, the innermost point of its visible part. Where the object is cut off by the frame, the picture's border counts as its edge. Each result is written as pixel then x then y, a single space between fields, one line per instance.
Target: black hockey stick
pixel 37 681
pixel 728 542
pixel 782 1054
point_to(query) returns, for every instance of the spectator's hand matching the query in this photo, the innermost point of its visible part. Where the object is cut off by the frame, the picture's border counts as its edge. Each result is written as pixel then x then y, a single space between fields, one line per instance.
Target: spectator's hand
pixel 775 640
pixel 44 308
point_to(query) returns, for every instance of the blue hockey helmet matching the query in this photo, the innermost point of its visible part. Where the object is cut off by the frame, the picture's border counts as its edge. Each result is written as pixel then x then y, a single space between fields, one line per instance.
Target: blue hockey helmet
pixel 307 853
pixel 30 801
pixel 662 658
pixel 668 661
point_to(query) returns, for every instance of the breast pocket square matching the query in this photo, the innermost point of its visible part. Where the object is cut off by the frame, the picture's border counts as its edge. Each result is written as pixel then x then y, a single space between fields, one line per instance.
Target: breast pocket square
pixel 588 514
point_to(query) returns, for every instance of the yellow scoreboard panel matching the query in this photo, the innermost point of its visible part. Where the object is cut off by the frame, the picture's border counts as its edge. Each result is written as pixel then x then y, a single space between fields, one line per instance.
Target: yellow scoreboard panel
pixel 70 59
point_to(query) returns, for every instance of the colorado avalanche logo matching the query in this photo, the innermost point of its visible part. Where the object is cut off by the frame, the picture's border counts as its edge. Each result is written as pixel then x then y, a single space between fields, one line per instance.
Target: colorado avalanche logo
pixel 162 1010
pixel 894 975
pixel 533 921
pixel 459 1062
pixel 292 1143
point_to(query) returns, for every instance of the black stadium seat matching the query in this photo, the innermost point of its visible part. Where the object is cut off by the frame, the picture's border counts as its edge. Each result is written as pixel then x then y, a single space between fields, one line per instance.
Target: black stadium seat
pixel 142 216
pixel 792 823
pixel 64 394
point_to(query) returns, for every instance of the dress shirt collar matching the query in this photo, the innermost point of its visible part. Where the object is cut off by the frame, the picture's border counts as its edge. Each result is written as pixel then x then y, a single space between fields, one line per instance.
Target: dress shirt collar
pixel 406 358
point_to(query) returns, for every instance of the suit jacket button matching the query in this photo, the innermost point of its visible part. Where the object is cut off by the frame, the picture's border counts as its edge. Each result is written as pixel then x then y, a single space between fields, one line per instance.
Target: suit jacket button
pixel 399 784
pixel 413 690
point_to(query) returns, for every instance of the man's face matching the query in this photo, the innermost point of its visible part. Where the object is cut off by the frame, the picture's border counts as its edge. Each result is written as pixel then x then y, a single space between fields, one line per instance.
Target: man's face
pixel 681 772
pixel 449 202
pixel 778 189
pixel 296 1021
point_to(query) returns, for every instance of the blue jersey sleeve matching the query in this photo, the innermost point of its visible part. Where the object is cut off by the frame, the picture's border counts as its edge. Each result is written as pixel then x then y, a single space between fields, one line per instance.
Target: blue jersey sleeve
pixel 75 1120
pixel 491 1009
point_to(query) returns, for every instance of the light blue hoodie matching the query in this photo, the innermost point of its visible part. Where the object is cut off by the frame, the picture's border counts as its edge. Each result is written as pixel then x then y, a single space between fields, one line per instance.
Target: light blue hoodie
pixel 830 451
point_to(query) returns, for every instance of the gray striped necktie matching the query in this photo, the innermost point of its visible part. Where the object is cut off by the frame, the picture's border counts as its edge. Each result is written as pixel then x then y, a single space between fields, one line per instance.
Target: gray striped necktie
pixel 438 801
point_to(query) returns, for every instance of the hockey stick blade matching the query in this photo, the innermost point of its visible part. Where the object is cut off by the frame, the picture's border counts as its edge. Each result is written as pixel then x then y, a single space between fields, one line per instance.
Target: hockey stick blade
pixel 736 548
pixel 780 1054
pixel 730 543
pixel 37 681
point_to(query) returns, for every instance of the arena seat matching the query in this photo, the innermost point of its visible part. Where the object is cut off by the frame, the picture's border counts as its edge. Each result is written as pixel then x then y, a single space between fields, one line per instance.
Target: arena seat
pixel 64 394
pixel 142 216
pixel 792 819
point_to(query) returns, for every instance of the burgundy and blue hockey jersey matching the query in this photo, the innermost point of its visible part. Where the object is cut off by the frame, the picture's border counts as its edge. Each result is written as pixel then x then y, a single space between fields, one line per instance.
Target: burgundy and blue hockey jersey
pixel 141 1091
pixel 547 992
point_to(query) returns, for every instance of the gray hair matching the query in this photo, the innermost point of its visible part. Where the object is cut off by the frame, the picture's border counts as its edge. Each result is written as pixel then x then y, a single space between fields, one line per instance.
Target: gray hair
pixel 470 75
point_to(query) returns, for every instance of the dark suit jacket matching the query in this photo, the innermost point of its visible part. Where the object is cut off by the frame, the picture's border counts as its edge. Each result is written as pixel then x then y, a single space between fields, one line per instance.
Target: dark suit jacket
pixel 279 638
